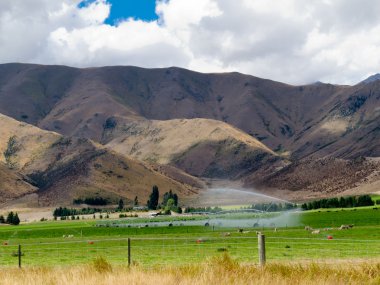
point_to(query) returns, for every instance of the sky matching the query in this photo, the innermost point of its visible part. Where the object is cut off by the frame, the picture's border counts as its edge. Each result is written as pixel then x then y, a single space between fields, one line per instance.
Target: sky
pixel 293 41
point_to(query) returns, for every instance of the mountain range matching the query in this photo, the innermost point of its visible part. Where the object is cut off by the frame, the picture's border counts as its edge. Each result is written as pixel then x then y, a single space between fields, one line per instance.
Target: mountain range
pixel 68 133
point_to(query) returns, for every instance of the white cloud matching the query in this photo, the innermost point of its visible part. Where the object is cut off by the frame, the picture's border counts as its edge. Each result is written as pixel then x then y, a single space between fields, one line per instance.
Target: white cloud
pixel 294 41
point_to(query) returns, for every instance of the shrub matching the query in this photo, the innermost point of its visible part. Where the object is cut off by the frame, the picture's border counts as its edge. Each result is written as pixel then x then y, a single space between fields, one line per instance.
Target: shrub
pixel 110 123
pixel 121 204
pixel 12 149
pixel 101 265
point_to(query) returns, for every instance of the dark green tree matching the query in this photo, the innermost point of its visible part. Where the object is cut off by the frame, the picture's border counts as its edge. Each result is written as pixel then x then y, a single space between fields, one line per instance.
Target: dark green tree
pixel 10 218
pixel 121 204
pixel 16 220
pixel 175 198
pixel 365 200
pixel 2 220
pixel 166 197
pixel 136 201
pixel 153 198
pixel 170 195
pixel 342 202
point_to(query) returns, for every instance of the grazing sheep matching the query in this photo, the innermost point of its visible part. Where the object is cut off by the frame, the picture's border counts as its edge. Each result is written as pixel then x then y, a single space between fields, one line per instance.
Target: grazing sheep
pixel 308 228
pixel 344 227
pixel 226 234
pixel 315 232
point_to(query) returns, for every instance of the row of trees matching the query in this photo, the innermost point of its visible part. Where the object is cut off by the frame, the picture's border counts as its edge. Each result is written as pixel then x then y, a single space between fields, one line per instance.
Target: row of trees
pixel 12 219
pixel 272 207
pixel 202 210
pixel 342 202
pixel 65 212
pixel 95 201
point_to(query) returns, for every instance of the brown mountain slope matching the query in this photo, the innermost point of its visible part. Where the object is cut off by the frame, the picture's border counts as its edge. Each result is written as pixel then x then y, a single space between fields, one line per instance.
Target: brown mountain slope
pixel 348 127
pixel 310 178
pixel 315 119
pixel 201 147
pixel 63 169
pixel 83 169
pixel 13 184
pixel 21 144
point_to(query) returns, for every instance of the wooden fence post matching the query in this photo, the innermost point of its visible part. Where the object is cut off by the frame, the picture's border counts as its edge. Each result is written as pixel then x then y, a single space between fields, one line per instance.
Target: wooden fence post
pixel 19 256
pixel 261 247
pixel 129 252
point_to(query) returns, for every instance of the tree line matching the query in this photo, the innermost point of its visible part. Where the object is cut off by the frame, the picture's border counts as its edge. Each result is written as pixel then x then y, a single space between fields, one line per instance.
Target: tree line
pixel 273 207
pixel 95 201
pixel 342 202
pixel 65 212
pixel 202 210
pixel 12 219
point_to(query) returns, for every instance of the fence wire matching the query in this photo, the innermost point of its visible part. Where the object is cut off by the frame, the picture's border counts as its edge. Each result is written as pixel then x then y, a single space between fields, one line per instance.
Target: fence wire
pixel 185 250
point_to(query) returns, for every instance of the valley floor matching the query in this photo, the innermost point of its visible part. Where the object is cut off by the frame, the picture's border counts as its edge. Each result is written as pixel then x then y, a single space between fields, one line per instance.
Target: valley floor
pixel 96 252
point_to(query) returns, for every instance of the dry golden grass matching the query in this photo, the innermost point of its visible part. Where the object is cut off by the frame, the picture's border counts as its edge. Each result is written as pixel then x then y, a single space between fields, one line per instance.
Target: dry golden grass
pixel 159 141
pixel 12 184
pixel 222 270
pixel 31 141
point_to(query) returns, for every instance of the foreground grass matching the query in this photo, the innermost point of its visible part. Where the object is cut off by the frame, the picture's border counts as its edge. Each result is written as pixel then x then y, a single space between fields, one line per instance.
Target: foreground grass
pixel 220 270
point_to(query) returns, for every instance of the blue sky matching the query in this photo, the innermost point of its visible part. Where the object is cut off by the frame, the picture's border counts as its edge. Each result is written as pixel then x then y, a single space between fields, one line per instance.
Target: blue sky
pixel 123 9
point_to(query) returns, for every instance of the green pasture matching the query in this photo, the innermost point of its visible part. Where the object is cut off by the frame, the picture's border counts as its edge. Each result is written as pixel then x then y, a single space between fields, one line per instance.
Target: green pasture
pixel 43 243
pixel 375 197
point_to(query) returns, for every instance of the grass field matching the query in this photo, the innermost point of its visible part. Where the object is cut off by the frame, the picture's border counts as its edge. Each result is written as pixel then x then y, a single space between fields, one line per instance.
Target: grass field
pixel 43 242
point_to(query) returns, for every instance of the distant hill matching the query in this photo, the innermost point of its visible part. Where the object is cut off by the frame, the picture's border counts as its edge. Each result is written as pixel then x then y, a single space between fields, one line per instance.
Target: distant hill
pixel 372 78
pixel 59 169
pixel 201 147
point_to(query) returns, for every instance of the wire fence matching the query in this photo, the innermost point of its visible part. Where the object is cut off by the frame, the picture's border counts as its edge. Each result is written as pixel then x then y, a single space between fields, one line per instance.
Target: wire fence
pixel 184 250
